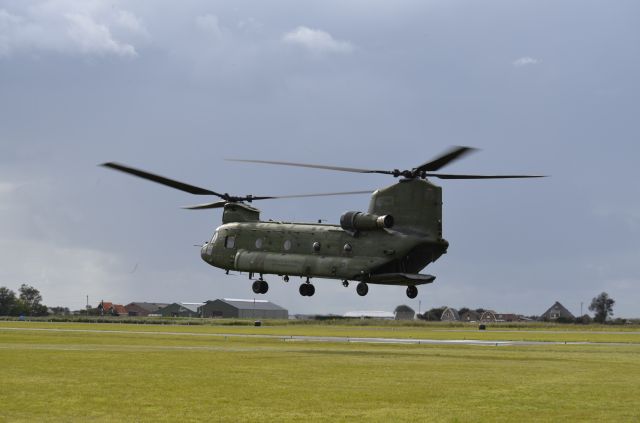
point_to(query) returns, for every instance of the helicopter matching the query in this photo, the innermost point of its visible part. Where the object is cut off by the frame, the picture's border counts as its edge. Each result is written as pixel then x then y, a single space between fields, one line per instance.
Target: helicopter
pixel 398 236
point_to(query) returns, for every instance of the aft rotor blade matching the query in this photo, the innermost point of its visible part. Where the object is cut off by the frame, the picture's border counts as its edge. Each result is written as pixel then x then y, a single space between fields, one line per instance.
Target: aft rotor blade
pixel 447 176
pixel 326 194
pixel 214 205
pixel 314 166
pixel 443 160
pixel 191 189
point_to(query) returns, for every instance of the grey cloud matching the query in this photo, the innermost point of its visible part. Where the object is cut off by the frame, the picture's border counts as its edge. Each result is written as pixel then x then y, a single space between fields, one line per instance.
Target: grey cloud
pixel 69 27
pixel 316 40
pixel 525 61
pixel 209 25
pixel 423 76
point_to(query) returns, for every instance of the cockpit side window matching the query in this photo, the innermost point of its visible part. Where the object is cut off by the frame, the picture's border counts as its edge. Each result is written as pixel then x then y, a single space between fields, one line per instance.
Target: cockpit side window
pixel 229 241
pixel 214 238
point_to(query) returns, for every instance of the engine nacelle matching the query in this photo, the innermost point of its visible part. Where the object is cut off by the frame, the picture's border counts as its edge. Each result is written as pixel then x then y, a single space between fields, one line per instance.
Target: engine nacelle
pixel 358 221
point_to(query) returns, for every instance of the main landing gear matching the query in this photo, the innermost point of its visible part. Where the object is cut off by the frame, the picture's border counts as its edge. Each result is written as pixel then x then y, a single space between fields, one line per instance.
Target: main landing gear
pixel 307 289
pixel 363 289
pixel 412 291
pixel 260 286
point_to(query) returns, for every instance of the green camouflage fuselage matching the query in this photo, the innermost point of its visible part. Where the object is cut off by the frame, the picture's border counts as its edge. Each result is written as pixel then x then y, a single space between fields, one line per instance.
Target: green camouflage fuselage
pixel 244 243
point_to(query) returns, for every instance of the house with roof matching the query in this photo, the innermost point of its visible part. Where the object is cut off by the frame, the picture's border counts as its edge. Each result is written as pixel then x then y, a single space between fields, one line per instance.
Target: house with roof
pixel 557 311
pixel 143 308
pixel 491 316
pixel 470 316
pixel 107 308
pixel 450 315
pixel 243 309
pixel 488 316
pixel 507 317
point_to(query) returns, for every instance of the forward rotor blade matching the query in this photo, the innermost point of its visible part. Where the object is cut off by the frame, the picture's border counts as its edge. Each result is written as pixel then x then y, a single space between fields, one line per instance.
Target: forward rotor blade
pixel 219 204
pixel 447 176
pixel 446 158
pixel 314 166
pixel 191 189
pixel 214 205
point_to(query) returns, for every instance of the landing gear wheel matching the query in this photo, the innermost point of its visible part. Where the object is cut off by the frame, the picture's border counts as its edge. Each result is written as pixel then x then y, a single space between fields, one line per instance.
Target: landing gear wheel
pixel 260 286
pixel 345 283
pixel 362 289
pixel 412 291
pixel 307 290
pixel 285 278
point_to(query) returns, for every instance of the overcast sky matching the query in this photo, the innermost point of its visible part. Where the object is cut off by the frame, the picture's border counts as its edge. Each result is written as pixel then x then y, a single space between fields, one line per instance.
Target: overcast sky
pixel 543 87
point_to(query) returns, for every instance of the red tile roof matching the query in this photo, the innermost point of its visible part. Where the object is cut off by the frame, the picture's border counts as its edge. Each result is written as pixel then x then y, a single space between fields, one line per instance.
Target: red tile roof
pixel 118 309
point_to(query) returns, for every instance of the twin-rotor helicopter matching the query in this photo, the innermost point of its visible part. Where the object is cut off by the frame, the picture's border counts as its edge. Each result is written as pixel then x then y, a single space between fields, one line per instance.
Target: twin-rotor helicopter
pixel 398 236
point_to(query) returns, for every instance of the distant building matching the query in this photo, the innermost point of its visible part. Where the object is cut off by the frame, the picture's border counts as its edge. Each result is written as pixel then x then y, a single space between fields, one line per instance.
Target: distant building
pixel 488 316
pixel 243 309
pixel 470 316
pixel 557 311
pixel 315 317
pixel 450 315
pixel 404 312
pixel 180 310
pixel 143 309
pixel 107 308
pixel 371 314
pixel 507 317
pixel 491 316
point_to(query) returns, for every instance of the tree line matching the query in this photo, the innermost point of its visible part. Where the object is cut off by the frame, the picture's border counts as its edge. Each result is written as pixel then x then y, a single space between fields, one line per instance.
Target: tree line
pixel 28 302
pixel 601 306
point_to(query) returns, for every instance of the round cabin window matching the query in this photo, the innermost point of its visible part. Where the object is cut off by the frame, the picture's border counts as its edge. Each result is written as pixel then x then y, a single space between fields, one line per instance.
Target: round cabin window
pixel 287 245
pixel 259 243
pixel 347 248
pixel 316 246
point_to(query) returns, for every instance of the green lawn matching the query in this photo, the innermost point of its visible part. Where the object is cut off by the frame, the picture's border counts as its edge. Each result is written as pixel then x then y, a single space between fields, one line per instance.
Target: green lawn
pixel 106 376
pixel 391 329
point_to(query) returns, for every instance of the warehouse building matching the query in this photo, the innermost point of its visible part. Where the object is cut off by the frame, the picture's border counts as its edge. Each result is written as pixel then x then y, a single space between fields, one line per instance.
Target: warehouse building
pixel 243 309
pixel 143 308
pixel 180 310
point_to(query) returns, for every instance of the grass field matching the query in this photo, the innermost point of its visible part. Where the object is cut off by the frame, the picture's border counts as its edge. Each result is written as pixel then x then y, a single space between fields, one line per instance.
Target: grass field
pixel 119 373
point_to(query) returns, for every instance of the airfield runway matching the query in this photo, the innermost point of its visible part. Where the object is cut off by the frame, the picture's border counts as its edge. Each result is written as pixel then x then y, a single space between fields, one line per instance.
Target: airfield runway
pixel 338 339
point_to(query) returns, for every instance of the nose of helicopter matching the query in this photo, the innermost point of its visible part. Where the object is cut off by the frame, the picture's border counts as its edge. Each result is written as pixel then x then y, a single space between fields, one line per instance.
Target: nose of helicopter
pixel 205 252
